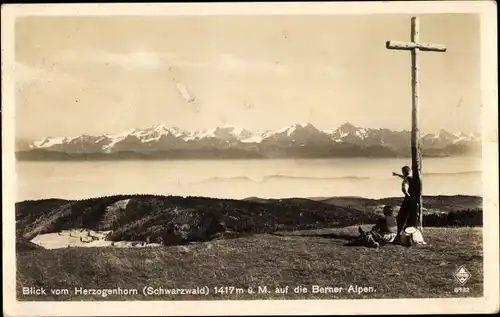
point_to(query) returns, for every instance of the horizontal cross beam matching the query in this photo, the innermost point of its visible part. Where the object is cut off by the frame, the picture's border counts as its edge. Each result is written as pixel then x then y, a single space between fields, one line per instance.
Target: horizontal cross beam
pixel 395 45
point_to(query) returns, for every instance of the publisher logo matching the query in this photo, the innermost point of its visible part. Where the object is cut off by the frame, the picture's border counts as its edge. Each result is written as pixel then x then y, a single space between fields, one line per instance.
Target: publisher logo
pixel 462 275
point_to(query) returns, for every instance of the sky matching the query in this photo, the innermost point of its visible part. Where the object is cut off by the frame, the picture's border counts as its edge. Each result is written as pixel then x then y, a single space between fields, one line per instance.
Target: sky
pixel 91 75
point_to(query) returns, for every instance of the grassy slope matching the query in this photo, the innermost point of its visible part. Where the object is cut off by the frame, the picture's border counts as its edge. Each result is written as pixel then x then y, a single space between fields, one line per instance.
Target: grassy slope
pixel 23 245
pixel 319 257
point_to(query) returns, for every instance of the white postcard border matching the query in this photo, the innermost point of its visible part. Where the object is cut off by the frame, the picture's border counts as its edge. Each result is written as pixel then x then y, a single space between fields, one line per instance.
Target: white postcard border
pixel 489 66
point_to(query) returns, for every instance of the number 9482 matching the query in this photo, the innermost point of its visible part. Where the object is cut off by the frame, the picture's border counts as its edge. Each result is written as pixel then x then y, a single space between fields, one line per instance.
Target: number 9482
pixel 461 290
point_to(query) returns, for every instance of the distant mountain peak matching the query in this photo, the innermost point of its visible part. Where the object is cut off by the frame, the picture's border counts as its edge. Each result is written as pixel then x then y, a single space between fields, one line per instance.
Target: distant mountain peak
pixel 160 137
pixel 347 125
pixel 302 125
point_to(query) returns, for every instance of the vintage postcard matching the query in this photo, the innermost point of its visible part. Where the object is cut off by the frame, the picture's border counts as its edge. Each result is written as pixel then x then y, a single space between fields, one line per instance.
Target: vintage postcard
pixel 250 158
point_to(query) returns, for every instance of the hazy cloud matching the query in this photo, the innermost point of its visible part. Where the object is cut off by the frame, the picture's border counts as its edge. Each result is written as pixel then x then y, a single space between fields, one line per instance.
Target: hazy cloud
pixel 224 62
pixel 138 59
pixel 134 60
pixel 233 63
pixel 131 60
pixel 26 74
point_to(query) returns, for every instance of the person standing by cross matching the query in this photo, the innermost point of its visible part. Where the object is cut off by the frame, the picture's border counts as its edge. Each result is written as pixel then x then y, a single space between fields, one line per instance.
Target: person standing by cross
pixel 407 216
pixel 414 46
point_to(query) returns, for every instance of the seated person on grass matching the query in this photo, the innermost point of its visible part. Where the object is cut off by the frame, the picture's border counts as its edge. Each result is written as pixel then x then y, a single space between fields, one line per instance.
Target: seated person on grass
pixel 384 231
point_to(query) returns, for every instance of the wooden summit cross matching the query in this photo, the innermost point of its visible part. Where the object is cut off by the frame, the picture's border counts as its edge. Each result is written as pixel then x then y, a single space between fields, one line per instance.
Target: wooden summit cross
pixel 414 46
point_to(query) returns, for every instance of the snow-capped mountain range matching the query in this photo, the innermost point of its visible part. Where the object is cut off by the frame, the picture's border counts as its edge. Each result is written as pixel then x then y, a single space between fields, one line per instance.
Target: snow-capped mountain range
pixel 303 140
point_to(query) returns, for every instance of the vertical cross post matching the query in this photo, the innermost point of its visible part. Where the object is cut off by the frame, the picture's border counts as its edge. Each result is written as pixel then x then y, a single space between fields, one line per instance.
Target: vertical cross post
pixel 416 154
pixel 414 46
